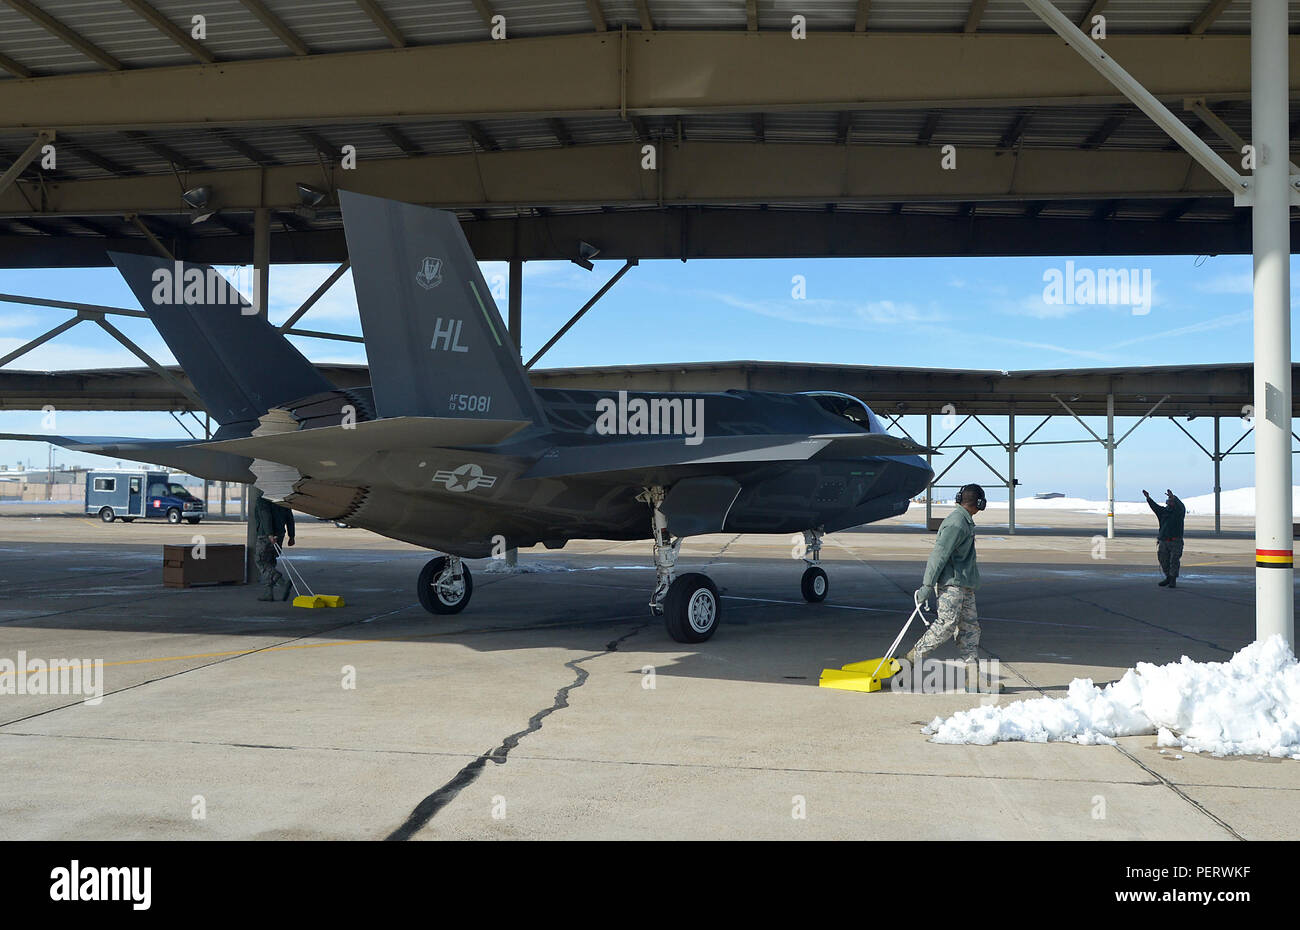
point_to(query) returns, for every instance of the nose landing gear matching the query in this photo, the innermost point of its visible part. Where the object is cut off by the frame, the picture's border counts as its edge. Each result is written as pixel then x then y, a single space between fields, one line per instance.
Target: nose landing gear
pixel 814 585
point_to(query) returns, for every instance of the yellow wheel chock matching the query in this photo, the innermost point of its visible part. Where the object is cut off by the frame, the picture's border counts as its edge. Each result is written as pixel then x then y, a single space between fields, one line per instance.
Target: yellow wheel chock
pixel 860 676
pixel 869 673
pixel 318 600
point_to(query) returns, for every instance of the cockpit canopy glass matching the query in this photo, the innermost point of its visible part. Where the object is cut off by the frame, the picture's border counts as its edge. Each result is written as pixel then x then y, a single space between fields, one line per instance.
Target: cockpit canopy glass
pixel 848 407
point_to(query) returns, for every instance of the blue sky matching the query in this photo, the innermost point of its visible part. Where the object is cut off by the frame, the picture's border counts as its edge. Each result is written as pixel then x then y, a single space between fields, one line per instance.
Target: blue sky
pixel 940 313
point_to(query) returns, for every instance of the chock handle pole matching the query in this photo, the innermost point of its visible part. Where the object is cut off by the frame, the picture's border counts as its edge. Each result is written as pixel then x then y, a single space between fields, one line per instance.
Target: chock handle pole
pixel 899 638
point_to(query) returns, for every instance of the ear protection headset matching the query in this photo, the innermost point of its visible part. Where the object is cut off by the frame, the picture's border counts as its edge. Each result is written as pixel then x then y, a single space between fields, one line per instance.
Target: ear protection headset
pixel 972 493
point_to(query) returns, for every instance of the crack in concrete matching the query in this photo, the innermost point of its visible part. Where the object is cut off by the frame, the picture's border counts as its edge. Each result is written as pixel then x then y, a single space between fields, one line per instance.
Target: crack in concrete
pixel 430 807
pixel 1132 758
pixel 1156 626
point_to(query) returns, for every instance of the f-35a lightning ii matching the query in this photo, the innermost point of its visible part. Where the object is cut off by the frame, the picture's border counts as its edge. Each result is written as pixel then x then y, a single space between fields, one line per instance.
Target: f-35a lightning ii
pixel 451 448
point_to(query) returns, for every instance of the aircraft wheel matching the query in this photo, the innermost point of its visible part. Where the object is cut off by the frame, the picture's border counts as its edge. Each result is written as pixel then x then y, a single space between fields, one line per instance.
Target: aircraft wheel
pixel 448 598
pixel 173 515
pixel 192 519
pixel 692 608
pixel 814 585
pixel 106 514
pixel 128 519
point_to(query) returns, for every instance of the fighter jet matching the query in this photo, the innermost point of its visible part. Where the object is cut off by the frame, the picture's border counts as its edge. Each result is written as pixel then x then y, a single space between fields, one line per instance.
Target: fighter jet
pixel 451 448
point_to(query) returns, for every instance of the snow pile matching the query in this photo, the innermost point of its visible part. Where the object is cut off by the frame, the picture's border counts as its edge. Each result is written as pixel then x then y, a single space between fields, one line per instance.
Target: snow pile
pixel 1236 503
pixel 1249 705
pixel 500 566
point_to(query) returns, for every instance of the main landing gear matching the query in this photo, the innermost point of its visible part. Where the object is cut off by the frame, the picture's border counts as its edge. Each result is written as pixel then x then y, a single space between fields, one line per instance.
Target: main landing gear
pixel 445 585
pixel 814 583
pixel 688 603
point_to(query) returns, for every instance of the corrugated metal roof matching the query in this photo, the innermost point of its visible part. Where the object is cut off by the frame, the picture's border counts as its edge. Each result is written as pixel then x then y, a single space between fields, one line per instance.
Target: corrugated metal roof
pixel 233 32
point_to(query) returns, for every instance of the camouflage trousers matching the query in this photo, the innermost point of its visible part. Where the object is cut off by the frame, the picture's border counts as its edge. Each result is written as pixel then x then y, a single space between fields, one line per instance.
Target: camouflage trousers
pixel 957 618
pixel 264 556
pixel 1170 554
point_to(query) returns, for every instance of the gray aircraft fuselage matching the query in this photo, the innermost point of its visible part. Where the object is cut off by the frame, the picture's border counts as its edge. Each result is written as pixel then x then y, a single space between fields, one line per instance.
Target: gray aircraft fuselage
pixel 567 479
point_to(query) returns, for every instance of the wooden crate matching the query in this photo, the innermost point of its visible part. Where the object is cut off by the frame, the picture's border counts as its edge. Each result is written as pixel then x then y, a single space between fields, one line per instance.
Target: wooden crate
pixel 221 564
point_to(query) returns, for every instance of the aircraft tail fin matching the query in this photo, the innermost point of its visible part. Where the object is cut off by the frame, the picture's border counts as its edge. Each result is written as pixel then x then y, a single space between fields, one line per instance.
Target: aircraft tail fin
pixel 240 365
pixel 436 343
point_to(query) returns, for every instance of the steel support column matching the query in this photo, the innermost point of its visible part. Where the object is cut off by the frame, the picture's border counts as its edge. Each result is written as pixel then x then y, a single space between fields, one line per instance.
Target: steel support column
pixel 516 307
pixel 1011 472
pixel 261 257
pixel 1218 461
pixel 1271 234
pixel 207 485
pixel 515 324
pixel 929 462
pixel 261 291
pixel 1110 466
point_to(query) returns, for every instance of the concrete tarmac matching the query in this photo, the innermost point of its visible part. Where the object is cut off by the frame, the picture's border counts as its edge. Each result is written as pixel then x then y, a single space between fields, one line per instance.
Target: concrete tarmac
pixel 555 707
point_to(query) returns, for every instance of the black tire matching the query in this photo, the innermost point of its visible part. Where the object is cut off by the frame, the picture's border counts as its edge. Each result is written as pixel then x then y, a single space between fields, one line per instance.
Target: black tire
pixel 814 585
pixel 106 514
pixel 436 601
pixel 127 519
pixel 173 515
pixel 692 608
pixel 192 519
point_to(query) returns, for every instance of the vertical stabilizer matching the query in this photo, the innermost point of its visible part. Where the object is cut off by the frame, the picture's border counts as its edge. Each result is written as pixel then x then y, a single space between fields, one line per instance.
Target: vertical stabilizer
pixel 435 341
pixel 240 365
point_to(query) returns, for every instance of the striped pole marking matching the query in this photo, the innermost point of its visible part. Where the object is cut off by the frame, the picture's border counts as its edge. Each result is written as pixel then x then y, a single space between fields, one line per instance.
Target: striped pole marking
pixel 1274 558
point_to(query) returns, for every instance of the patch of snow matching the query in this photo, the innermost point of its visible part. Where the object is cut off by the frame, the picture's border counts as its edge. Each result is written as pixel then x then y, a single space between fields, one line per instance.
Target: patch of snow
pixel 1236 503
pixel 1249 705
pixel 502 567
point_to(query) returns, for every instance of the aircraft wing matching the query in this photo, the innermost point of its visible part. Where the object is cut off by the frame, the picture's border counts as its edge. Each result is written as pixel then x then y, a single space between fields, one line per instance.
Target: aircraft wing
pixel 622 456
pixel 196 458
pixel 341 446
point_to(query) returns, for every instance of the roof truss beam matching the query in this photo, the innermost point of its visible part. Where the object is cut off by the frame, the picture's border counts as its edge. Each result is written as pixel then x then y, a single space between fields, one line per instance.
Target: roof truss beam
pixel 385 25
pixel 277 26
pixel 693 232
pixel 974 15
pixel 1208 15
pixel 484 11
pixel 738 73
pixel 400 139
pixel 27 156
pixel 15 67
pixel 863 14
pixel 701 172
pixel 256 156
pixel 170 30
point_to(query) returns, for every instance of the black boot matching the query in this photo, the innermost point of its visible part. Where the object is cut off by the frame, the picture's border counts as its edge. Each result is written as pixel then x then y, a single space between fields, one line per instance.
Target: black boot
pixel 1167 581
pixel 1173 582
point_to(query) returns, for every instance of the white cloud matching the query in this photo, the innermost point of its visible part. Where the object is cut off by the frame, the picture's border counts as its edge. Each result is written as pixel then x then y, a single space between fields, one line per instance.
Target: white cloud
pixel 1242 283
pixel 1218 322
pixel 1033 305
pixel 839 314
pixel 1076 353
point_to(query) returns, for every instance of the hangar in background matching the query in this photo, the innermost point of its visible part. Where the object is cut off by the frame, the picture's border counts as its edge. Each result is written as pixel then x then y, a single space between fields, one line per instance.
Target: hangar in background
pixel 947 398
